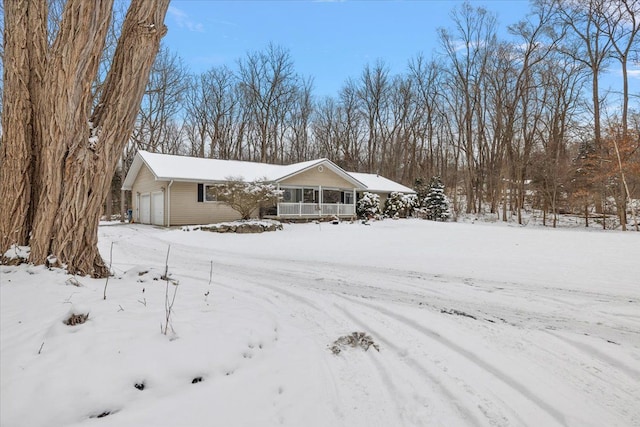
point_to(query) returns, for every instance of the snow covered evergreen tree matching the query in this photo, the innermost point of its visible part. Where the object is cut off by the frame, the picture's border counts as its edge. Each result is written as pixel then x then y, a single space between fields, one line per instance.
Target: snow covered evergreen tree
pixel 399 204
pixel 411 203
pixel 421 188
pixel 368 206
pixel 394 205
pixel 436 203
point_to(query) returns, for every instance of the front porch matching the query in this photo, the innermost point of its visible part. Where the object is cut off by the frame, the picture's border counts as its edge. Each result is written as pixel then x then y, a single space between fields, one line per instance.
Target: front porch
pixel 316 202
pixel 312 210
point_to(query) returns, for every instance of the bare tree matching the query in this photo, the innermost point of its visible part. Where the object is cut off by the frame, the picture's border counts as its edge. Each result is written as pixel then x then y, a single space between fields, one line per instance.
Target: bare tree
pixel 156 128
pixel 373 94
pixel 564 80
pixel 351 129
pixel 536 40
pixel 468 50
pixel 196 120
pixel 300 120
pixel 425 157
pixel 402 104
pixel 589 44
pixel 326 130
pixel 620 21
pixel 68 150
pixel 268 84
pixel 586 42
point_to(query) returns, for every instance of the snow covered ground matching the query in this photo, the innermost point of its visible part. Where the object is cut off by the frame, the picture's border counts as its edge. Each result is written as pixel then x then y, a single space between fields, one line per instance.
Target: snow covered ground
pixel 477 325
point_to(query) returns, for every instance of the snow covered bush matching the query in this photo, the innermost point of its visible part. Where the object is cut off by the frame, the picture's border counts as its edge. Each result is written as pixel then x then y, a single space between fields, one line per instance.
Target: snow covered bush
pixel 246 197
pixel 399 205
pixel 368 206
pixel 436 203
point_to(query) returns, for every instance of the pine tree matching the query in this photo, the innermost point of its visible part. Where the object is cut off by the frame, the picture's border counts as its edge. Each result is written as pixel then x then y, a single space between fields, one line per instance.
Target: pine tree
pixel 421 187
pixel 394 206
pixel 436 203
pixel 399 205
pixel 368 206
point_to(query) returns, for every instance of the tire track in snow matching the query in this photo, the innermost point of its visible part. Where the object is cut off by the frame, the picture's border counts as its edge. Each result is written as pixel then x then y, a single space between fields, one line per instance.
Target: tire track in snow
pixel 511 382
pixel 404 289
pixel 306 283
pixel 400 286
pixel 390 388
pixel 181 252
pixel 416 366
pixel 276 268
pixel 259 279
pixel 595 352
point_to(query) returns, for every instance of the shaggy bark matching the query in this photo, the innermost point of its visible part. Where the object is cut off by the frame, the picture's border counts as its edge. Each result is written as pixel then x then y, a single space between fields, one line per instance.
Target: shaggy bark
pixel 25 35
pixel 74 151
pixel 63 111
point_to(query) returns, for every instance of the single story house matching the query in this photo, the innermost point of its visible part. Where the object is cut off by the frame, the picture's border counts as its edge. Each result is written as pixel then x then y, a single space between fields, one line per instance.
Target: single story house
pixel 178 190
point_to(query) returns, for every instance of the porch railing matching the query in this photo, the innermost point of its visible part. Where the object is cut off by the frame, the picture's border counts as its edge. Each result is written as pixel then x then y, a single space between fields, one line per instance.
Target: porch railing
pixel 315 209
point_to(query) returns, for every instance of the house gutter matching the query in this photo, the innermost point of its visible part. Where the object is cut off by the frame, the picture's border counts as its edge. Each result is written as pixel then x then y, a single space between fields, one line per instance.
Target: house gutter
pixel 169 203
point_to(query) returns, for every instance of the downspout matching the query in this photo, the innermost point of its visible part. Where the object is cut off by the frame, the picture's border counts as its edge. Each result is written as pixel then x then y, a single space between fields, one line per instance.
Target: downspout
pixel 169 203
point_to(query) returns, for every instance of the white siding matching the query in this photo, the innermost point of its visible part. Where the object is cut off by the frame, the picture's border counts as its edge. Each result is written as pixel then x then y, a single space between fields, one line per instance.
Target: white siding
pixel 185 208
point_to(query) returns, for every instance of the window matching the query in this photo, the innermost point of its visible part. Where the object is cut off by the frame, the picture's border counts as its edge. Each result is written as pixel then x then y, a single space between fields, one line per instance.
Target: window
pixel 292 195
pixel 331 196
pixel 309 195
pixel 210 193
pixel 348 197
pixel 296 195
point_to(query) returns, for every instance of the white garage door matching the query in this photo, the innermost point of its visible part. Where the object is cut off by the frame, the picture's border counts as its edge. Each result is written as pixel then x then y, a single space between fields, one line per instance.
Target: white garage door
pixel 157 208
pixel 145 208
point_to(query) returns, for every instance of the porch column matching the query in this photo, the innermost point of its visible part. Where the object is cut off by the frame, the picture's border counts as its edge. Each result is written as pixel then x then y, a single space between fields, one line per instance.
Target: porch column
pixel 320 200
pixel 278 201
pixel 354 201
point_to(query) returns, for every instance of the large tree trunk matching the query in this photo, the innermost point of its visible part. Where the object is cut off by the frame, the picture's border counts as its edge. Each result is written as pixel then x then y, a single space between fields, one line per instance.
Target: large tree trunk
pixel 76 151
pixel 63 111
pixel 25 38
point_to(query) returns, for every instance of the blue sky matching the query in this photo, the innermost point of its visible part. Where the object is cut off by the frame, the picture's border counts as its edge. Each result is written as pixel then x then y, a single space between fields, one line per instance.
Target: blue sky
pixel 328 40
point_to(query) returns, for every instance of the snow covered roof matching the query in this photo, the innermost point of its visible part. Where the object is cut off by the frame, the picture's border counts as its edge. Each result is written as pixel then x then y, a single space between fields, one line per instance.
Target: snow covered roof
pixel 380 184
pixel 167 167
